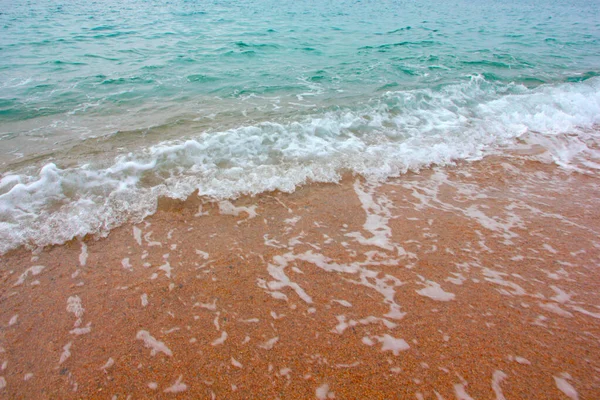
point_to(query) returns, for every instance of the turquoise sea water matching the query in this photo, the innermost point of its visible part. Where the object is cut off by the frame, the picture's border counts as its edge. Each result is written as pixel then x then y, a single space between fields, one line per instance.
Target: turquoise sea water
pixel 105 106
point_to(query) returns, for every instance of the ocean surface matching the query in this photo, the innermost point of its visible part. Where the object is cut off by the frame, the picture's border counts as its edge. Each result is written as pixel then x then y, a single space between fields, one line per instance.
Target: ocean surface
pixel 107 106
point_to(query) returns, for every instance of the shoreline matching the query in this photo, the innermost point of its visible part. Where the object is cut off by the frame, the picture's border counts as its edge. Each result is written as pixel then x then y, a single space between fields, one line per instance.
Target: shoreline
pixel 477 279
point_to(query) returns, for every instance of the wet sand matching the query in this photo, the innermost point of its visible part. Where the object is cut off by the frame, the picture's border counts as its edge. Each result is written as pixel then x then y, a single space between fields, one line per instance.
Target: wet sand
pixel 473 281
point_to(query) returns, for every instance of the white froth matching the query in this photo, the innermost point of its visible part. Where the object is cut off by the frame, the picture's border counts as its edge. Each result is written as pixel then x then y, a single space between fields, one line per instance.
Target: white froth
pixel 177 387
pixel 35 270
pixel 107 365
pixel 227 208
pixel 586 312
pixel 137 235
pixel 220 340
pixel 461 393
pixel 566 387
pixel 378 215
pixel 126 264
pixel 497 378
pixel 384 285
pixel 27 376
pixel 282 280
pixel 236 363
pixel 561 296
pixel 82 331
pixel 83 256
pixel 268 345
pixel 390 343
pixel 556 309
pixel 13 320
pixel 66 353
pixel 167 268
pixel 2 382
pixel 150 342
pixel 323 392
pixel 209 306
pixel 522 360
pixel 202 254
pixel 342 302
pixel 144 299
pixel 74 306
pixel 435 292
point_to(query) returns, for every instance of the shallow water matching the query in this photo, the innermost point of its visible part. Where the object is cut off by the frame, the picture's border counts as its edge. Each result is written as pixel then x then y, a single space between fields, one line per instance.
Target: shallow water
pixel 107 106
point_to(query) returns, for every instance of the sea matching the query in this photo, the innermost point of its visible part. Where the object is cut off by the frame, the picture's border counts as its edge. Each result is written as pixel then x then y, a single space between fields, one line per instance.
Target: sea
pixel 108 106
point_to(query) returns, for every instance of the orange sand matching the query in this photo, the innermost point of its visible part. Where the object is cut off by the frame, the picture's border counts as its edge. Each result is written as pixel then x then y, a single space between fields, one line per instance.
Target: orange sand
pixel 477 280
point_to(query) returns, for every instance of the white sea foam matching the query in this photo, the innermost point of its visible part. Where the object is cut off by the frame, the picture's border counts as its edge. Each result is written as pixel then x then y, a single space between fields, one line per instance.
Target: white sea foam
pixel 150 342
pixel 461 392
pixel 144 299
pixel 82 331
pixel 66 353
pixel 137 235
pixel 35 270
pixel 434 291
pixel 390 343
pixel 108 364
pixel 83 256
pixel 323 392
pixel 220 340
pixel 74 306
pixel 497 378
pixel 177 387
pixel 236 363
pixel 385 136
pixel 564 386
pixel 268 345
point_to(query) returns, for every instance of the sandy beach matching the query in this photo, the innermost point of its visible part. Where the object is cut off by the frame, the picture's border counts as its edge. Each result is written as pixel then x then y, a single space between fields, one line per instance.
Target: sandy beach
pixel 478 280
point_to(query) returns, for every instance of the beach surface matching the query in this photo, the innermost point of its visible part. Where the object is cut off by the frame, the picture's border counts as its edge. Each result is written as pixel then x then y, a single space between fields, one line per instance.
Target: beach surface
pixel 477 280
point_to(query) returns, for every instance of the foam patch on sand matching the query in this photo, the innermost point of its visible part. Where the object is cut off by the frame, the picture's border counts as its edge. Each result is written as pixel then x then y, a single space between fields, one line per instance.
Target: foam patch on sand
pixel 434 291
pixel 564 386
pixel 35 270
pixel 177 387
pixel 74 306
pixel 154 345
